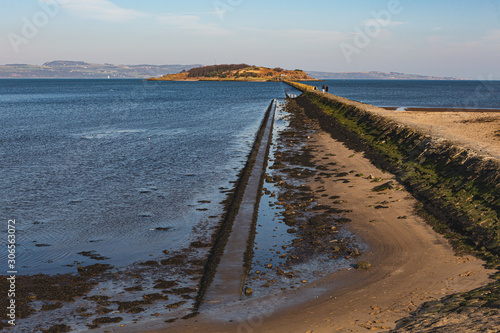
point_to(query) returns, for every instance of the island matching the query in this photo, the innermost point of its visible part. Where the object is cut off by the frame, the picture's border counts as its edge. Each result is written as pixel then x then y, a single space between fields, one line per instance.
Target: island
pixel 236 72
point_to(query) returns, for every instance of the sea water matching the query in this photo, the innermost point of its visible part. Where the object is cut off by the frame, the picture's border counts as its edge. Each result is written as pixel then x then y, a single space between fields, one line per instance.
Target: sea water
pixel 120 168
pixel 475 94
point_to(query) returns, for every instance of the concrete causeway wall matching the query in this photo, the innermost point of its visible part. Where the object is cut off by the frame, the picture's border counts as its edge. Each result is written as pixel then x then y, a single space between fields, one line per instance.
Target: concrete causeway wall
pixel 227 265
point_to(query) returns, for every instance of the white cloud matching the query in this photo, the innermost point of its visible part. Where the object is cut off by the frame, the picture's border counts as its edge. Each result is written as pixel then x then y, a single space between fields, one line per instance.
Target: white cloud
pixel 191 23
pixel 103 10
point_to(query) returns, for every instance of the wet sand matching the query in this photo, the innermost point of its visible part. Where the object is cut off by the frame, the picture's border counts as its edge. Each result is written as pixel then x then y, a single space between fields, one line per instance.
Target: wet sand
pixel 411 264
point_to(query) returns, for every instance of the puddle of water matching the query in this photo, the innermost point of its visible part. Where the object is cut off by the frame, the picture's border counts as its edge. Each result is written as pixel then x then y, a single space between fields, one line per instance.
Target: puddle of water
pixel 273 244
pixel 271 232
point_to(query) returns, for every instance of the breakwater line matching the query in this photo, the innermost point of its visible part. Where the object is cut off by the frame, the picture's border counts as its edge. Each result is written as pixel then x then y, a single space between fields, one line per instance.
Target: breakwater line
pixel 227 265
pixel 457 186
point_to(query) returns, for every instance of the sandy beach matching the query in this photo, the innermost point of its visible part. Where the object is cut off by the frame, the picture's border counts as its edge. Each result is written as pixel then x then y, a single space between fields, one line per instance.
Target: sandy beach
pixel 479 131
pixel 411 264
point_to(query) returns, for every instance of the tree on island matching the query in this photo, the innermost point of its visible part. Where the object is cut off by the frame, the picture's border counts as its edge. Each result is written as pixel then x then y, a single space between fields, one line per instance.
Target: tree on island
pixel 215 70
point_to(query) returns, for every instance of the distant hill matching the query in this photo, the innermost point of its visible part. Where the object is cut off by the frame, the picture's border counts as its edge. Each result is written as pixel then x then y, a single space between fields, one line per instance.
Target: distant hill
pixel 236 72
pixel 374 76
pixel 84 70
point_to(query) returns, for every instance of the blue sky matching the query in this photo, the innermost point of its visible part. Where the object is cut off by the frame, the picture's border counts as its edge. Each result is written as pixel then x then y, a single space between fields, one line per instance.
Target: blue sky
pixel 442 37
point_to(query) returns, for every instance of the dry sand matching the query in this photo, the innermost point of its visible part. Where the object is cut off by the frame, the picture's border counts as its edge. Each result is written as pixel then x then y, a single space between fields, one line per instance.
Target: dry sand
pixel 411 264
pixel 479 131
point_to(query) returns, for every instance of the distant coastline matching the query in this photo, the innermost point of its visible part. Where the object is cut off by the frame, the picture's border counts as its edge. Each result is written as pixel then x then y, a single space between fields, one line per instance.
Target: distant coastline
pixel 82 70
pixel 374 75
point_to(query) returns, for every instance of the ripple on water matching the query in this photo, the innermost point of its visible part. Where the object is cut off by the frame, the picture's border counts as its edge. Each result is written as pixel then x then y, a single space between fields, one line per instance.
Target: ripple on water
pixel 93 175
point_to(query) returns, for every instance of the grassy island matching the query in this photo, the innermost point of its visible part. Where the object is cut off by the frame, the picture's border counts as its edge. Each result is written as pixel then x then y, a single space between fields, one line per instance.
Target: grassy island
pixel 236 72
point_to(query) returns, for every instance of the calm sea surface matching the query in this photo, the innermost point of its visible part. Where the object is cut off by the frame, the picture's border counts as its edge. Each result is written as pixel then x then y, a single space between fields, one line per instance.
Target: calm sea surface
pixel 416 93
pixel 100 165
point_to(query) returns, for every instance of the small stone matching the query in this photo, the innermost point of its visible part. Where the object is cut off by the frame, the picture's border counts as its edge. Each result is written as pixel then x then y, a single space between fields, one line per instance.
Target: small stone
pixel 363 265
pixel 387 186
pixel 248 291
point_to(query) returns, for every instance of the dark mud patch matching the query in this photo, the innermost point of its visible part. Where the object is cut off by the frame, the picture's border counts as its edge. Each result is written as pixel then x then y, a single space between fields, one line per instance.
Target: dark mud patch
pixel 59 288
pixel 163 228
pixel 92 255
pixel 93 269
pixel 58 329
pixel 481 120
pixel 162 284
pixel 175 260
pixel 105 320
pixel 95 291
